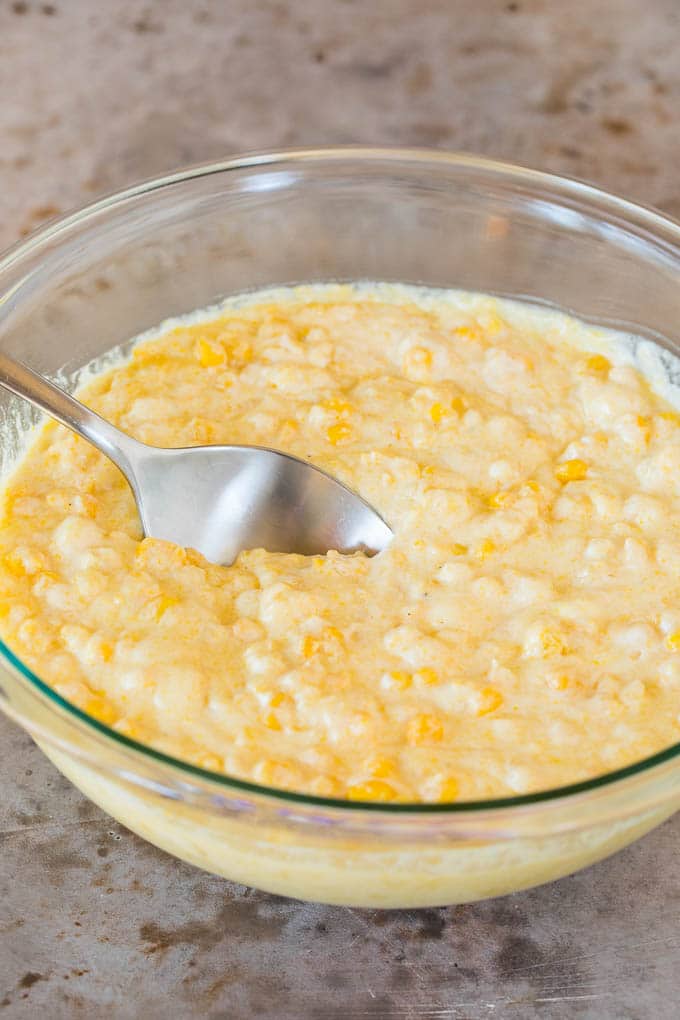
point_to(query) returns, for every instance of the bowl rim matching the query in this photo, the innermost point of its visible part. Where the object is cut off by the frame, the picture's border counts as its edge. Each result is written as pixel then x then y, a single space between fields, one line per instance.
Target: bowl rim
pixel 632 214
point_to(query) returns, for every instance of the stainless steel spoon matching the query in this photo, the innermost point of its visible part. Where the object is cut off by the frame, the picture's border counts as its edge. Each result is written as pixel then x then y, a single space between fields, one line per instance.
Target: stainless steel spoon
pixel 218 499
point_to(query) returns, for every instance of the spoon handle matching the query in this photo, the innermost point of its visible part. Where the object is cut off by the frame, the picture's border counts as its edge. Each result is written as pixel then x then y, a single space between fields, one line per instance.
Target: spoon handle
pixel 43 394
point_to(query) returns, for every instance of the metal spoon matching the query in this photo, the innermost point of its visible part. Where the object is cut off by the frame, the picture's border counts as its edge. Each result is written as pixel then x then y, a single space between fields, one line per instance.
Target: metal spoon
pixel 218 499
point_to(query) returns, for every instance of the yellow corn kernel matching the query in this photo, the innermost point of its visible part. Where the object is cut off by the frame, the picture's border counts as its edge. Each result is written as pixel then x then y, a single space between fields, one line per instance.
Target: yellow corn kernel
pixel 456 549
pixel 14 565
pixel 561 683
pixel 279 698
pixel 449 788
pixel 428 676
pixel 672 416
pixel 310 646
pixel 337 404
pixel 210 353
pixel 552 644
pixel 424 729
pixel 493 324
pixel 162 604
pixel 468 333
pixel 99 708
pixel 241 354
pixel 498 500
pixel 372 789
pixel 398 679
pixel 381 768
pixel 597 364
pixel 673 641
pixel 486 548
pixel 289 425
pixel 421 355
pixel 106 651
pixel 491 699
pixel 437 412
pixel 644 423
pixel 339 432
pixel 571 471
pixel 271 722
pixel 458 405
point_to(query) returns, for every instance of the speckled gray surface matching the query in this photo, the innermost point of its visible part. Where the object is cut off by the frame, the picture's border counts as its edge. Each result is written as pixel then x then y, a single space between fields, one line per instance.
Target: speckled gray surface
pixel 94 922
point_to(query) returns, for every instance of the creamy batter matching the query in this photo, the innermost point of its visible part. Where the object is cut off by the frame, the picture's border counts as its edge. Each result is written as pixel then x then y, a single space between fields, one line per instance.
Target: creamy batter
pixel 521 631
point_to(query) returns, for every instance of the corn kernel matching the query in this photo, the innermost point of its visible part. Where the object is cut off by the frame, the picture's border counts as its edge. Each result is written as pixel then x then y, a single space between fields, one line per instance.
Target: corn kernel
pixel 673 641
pixel 99 708
pixel 493 324
pixel 271 722
pixel 14 565
pixel 372 789
pixel 458 405
pixel 210 353
pixel 486 548
pixel 278 698
pixel 571 471
pixel 381 768
pixel 423 729
pixel 449 788
pixel 398 679
pixel 310 646
pixel 428 676
pixel 456 549
pixel 597 364
pixel 468 333
pixel 672 416
pixel 337 404
pixel 491 699
pixel 106 651
pixel 162 604
pixel 437 412
pixel 339 432
pixel 420 356
pixel 644 423
pixel 498 500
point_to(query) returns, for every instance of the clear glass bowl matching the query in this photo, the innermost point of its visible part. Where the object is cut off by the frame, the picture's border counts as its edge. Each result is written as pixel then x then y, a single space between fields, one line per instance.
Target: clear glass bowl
pixel 87 283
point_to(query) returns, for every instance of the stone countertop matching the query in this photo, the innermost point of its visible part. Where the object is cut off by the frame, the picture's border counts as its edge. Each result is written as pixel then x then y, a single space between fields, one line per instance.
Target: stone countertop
pixel 94 95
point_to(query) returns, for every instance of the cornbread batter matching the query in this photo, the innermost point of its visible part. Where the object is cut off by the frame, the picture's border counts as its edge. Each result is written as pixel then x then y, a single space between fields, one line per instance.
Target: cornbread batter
pixel 521 631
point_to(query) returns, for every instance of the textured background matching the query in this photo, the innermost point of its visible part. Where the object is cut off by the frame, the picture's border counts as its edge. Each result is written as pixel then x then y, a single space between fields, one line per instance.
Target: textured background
pixel 97 93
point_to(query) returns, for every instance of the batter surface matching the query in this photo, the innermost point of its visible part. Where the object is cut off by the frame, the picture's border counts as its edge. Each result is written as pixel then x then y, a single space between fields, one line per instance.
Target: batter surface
pixel 522 630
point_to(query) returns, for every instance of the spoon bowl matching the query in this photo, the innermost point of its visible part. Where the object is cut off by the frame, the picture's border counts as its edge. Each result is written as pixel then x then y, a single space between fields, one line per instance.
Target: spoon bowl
pixel 219 500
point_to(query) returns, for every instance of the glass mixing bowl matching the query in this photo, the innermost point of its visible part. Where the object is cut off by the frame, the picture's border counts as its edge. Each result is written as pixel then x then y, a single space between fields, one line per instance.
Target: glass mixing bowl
pixel 87 283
